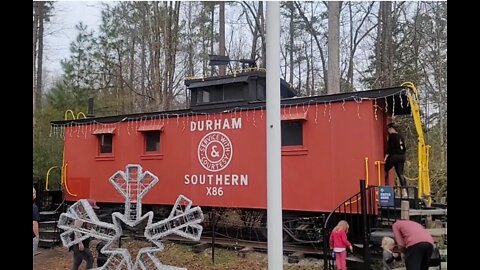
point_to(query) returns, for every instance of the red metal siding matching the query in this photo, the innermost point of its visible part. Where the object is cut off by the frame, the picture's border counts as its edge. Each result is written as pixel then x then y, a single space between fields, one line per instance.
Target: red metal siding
pixel 316 177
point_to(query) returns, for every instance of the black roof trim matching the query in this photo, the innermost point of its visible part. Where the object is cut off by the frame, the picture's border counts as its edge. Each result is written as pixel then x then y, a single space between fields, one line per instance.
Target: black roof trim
pixel 217 82
pixel 394 95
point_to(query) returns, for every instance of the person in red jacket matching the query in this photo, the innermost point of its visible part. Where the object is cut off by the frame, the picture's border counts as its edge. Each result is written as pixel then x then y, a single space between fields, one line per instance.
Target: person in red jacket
pixel 339 244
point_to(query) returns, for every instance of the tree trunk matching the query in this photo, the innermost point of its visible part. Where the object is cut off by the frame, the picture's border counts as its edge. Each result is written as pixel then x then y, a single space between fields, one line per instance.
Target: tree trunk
pixel 132 96
pixel 292 44
pixel 263 56
pixel 307 85
pixel 143 64
pixel 387 59
pixel 333 73
pixel 35 35
pixel 384 48
pixel 212 37
pixel 39 92
pixel 378 49
pixel 349 79
pixel 221 43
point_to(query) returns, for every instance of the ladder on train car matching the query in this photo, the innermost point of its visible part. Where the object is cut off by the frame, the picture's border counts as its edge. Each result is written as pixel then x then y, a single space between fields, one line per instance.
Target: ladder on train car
pixel 423 148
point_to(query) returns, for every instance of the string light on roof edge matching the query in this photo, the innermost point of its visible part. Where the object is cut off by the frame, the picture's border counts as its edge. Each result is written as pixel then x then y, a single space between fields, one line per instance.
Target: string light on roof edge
pixel 133 184
pixel 393 106
pixel 329 111
pixel 164 118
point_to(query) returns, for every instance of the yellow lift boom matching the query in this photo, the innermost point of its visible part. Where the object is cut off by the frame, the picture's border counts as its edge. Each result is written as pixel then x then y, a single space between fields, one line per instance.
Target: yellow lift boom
pixel 423 148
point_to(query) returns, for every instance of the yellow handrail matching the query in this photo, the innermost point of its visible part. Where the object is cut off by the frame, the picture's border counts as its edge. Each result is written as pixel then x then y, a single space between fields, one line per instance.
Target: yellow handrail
pixel 65 180
pixel 64 165
pixel 366 171
pixel 423 148
pixel 378 163
pixel 81 114
pixel 66 114
pixel 48 174
pixel 73 115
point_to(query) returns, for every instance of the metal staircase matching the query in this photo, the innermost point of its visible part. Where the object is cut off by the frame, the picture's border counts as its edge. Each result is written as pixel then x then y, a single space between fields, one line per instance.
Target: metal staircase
pixel 369 222
pixel 51 207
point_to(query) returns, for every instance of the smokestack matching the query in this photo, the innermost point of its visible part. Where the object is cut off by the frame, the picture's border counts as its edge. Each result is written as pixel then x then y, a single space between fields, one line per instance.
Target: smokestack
pixel 90 112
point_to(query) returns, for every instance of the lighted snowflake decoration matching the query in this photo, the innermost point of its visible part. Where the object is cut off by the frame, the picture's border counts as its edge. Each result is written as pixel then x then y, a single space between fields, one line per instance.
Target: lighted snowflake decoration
pixel 184 220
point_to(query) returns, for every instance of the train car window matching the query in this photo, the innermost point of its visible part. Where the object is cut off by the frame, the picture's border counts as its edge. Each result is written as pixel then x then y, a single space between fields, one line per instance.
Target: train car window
pixel 261 92
pixel 151 137
pixel 152 141
pixel 234 92
pixel 220 93
pixel 203 96
pixel 292 132
pixel 106 143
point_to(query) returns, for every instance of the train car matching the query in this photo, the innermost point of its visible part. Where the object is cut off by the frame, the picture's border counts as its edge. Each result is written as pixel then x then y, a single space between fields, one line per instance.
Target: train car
pixel 215 152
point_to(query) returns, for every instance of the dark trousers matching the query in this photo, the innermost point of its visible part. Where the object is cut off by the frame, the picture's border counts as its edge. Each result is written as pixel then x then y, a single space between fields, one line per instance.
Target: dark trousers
pixel 79 256
pixel 101 260
pixel 398 162
pixel 417 257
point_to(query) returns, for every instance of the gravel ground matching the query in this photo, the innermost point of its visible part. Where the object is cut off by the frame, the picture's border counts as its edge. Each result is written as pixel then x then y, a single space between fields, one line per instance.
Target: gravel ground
pixel 59 258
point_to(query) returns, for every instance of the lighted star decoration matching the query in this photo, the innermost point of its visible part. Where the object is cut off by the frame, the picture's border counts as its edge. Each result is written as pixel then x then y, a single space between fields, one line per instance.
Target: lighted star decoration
pixel 184 220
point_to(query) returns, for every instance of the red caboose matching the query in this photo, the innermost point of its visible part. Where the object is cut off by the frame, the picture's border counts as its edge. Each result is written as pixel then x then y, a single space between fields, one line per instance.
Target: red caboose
pixel 215 152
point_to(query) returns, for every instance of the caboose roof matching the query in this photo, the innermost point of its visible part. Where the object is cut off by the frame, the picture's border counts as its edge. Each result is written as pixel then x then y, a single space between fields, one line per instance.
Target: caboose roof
pixel 395 97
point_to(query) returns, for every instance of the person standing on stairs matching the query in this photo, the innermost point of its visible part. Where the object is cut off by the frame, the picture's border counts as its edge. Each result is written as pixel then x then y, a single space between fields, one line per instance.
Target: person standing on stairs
pixel 395 157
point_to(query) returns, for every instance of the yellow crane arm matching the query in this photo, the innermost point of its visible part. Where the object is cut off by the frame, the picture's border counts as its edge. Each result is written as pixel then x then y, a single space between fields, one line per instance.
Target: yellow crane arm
pixel 423 148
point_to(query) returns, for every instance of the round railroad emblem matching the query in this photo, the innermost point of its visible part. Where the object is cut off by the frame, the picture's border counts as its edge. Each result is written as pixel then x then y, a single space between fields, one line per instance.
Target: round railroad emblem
pixel 215 151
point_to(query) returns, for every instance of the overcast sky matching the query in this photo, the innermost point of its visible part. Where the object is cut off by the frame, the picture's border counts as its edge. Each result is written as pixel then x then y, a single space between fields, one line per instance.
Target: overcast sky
pixel 61 30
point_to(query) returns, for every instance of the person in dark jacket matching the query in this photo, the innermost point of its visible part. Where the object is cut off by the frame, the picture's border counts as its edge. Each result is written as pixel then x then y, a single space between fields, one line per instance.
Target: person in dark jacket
pixel 395 157
pixel 101 258
pixel 81 251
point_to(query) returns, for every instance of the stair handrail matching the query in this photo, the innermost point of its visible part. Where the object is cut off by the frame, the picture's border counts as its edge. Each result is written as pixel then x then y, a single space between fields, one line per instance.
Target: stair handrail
pixel 325 223
pixel 47 177
pixel 343 203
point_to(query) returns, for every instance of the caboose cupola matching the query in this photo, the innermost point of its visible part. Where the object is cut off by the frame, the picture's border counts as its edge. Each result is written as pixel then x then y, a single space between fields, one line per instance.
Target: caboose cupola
pixel 233 90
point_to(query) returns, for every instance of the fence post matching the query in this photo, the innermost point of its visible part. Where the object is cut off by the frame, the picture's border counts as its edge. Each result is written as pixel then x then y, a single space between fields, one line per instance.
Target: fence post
pixel 214 219
pixel 366 229
pixel 405 210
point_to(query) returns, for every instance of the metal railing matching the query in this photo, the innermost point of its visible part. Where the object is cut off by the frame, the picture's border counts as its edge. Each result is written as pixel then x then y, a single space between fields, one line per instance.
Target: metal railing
pixel 363 213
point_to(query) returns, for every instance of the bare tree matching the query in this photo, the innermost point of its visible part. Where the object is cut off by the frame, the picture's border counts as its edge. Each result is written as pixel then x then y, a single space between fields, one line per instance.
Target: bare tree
pixel 41 16
pixel 356 37
pixel 259 30
pixel 384 49
pixel 314 33
pixel 333 73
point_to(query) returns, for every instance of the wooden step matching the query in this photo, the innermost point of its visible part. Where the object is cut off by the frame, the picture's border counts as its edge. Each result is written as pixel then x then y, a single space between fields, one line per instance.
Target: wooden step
pixel 376 236
pixel 428 212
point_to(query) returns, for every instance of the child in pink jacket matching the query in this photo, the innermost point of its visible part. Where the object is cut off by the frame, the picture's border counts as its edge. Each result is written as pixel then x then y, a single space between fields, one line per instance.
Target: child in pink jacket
pixel 339 244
